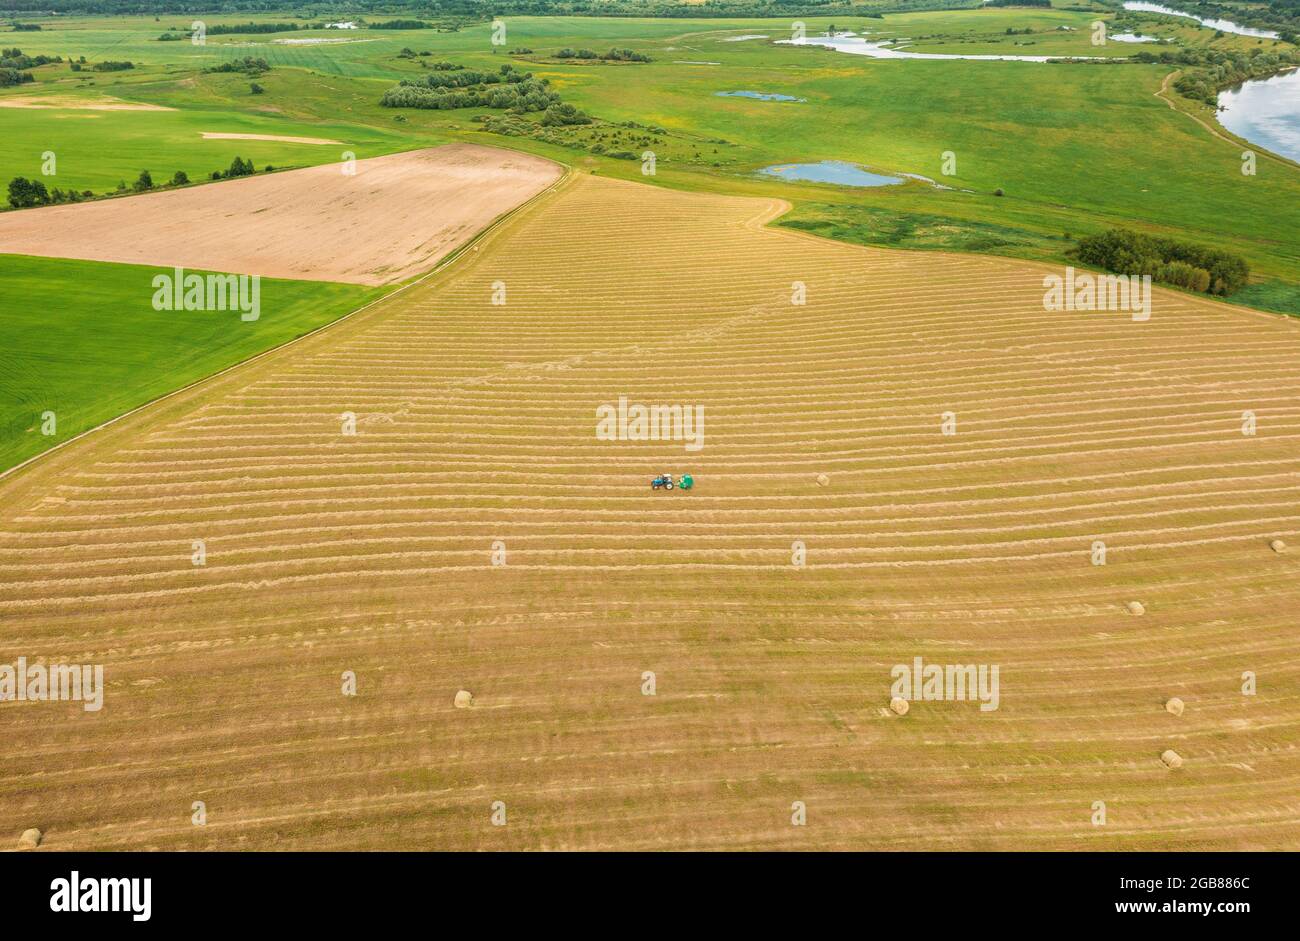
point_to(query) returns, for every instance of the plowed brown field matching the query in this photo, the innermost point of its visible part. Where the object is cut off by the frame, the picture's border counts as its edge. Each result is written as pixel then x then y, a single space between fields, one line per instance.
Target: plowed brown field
pixel 476 423
pixel 392 218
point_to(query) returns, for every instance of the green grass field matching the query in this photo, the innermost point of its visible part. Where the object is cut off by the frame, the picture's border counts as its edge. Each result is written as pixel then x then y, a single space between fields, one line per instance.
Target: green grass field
pixel 1074 148
pixel 81 339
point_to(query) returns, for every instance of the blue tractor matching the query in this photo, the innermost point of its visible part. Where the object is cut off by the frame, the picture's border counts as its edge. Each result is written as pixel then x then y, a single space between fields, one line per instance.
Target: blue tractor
pixel 663 480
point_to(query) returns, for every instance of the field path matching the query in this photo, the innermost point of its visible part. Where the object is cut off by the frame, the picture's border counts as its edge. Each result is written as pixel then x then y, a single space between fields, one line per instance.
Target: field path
pixel 476 533
pixel 1220 132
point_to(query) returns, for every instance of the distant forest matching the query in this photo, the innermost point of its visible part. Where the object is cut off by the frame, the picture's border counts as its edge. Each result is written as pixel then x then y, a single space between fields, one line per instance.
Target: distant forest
pixel 478 10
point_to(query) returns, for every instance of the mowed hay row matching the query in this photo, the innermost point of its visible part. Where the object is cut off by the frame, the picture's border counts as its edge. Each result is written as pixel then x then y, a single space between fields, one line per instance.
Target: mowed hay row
pixel 476 435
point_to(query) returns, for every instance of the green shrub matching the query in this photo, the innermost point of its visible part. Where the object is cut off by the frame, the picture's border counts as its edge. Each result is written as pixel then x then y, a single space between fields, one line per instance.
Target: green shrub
pixel 1183 264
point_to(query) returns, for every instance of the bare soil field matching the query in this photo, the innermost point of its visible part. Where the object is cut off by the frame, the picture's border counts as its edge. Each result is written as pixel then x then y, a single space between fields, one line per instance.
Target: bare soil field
pixel 217 135
pixel 373 554
pixel 73 103
pixel 393 219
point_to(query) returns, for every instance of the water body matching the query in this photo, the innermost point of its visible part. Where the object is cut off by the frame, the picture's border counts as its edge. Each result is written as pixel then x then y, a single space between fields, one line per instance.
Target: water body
pixel 857 46
pixel 1266 112
pixel 1131 37
pixel 830 171
pixel 760 96
pixel 747 36
pixel 1226 25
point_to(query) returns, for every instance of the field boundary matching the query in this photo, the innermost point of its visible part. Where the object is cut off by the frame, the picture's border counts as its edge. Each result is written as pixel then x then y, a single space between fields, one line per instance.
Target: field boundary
pixel 450 259
pixel 1046 267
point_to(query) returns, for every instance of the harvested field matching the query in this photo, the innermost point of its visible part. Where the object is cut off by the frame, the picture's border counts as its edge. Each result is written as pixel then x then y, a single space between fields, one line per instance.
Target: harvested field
pixel 74 103
pixel 373 553
pixel 393 219
pixel 217 135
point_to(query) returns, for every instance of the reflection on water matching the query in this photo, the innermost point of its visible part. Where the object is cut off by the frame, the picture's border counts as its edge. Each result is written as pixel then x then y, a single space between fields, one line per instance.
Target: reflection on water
pixel 856 45
pixel 1226 25
pixel 830 171
pixel 1265 112
pixel 760 96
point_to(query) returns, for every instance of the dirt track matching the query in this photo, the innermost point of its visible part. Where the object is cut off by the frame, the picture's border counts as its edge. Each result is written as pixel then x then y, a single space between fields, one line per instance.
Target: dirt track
pixel 395 218
pixel 475 424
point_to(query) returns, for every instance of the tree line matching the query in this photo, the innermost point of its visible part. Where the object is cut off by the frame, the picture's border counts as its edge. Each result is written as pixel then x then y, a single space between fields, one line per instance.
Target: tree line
pixel 25 193
pixel 247 66
pixel 614 55
pixel 225 29
pixel 479 10
pixel 1211 70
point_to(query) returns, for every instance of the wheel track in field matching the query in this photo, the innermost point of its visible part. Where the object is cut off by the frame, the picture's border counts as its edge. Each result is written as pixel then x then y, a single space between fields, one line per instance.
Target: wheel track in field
pixel 476 424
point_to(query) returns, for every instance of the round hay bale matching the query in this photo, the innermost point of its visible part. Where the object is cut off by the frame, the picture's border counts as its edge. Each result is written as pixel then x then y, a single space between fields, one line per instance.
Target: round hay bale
pixel 899 706
pixel 463 699
pixel 1135 607
pixel 1174 707
pixel 823 480
pixel 30 839
pixel 1172 759
pixel 1277 545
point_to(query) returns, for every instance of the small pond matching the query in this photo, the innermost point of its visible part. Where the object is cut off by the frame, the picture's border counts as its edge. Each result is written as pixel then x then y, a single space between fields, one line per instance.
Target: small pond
pixel 830 171
pixel 758 95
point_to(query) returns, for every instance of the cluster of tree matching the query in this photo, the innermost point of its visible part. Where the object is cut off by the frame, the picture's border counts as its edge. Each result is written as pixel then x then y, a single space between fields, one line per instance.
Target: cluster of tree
pixel 238 167
pixel 400 24
pixel 246 66
pixel 24 192
pixel 16 59
pixel 227 29
pixel 144 182
pixel 520 51
pixel 1183 264
pixel 1211 70
pixel 27 27
pixel 561 115
pixel 614 55
pixel 507 89
pixel 466 78
pixel 1017 3
pixel 109 65
pixel 13 66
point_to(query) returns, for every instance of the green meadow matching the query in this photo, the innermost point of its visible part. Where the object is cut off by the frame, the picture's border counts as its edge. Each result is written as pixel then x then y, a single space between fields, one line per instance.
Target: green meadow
pixel 81 339
pixel 1074 147
pixel 1044 152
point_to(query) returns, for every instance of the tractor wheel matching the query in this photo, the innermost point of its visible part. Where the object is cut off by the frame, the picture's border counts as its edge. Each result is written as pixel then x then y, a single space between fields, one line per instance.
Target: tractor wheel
pixel 669 485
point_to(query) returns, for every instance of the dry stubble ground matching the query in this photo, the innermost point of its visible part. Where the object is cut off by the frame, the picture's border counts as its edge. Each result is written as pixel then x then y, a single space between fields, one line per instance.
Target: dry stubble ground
pixel 372 553
pixel 387 219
